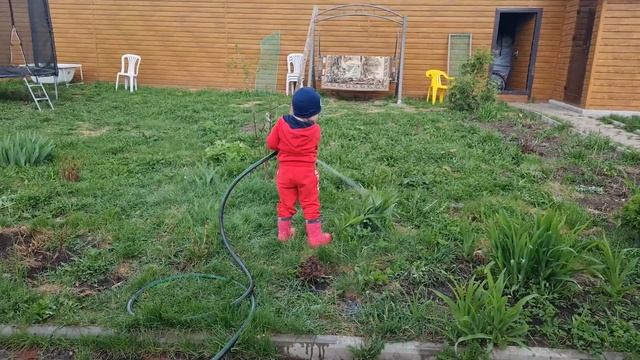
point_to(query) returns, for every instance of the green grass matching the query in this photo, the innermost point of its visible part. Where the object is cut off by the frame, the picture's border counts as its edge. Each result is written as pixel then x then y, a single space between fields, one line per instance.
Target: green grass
pixel 152 166
pixel 630 123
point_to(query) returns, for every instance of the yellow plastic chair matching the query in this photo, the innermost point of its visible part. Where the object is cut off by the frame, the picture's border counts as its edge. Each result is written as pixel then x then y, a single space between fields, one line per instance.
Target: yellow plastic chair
pixel 437 85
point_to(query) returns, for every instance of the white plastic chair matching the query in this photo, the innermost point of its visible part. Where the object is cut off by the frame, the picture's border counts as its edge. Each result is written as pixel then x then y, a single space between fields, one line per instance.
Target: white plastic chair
pixel 129 69
pixel 294 65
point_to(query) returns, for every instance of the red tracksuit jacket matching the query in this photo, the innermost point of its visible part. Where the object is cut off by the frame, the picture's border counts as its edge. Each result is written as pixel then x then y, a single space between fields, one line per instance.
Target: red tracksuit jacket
pixel 297 179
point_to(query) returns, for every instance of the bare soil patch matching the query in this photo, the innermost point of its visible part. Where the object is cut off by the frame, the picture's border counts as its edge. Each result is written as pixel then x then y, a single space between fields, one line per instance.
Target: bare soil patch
pixel 314 273
pixel 30 248
pixel 529 137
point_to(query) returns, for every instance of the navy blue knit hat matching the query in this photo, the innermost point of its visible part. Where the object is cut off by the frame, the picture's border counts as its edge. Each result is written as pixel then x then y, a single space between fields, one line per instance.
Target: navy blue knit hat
pixel 306 103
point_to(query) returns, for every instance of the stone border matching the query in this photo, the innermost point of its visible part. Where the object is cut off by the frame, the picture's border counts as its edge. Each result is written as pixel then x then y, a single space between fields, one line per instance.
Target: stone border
pixel 324 347
pixel 316 347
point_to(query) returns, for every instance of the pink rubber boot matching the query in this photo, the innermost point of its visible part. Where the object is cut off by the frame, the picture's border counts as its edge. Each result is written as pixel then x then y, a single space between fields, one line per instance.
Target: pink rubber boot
pixel 285 229
pixel 315 236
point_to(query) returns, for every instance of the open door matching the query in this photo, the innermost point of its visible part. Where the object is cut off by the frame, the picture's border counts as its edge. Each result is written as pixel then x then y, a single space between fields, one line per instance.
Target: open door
pixel 515 45
pixel 580 45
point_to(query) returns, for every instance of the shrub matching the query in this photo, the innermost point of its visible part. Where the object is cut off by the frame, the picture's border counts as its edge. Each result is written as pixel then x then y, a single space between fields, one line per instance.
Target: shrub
pixel 630 214
pixel 481 311
pixel 543 253
pixel 473 90
pixel 222 151
pixel 24 150
pixel 614 269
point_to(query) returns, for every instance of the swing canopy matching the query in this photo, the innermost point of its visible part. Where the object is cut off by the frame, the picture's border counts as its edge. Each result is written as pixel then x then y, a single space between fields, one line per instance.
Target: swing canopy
pixel 27 46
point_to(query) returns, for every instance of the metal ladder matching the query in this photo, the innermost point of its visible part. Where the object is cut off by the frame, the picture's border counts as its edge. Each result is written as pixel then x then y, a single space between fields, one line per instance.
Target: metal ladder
pixel 40 94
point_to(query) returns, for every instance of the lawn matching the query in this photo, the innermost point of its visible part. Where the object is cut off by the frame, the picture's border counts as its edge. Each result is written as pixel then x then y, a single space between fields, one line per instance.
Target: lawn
pixel 133 188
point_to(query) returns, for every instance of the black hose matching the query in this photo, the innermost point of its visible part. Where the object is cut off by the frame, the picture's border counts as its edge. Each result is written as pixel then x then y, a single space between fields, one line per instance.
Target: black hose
pixel 249 289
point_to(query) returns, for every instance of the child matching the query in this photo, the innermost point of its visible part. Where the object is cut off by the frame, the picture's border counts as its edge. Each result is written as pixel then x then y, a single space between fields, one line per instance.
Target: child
pixel 296 138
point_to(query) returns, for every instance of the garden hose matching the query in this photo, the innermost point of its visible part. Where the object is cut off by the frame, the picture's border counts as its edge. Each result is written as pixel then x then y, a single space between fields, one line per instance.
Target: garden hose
pixel 248 289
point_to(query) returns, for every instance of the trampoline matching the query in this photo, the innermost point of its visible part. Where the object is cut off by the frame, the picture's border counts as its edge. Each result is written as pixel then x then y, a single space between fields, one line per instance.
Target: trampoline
pixel 27 46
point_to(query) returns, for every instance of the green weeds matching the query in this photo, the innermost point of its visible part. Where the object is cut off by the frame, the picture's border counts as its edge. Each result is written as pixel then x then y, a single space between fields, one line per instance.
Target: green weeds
pixel 540 253
pixel 481 311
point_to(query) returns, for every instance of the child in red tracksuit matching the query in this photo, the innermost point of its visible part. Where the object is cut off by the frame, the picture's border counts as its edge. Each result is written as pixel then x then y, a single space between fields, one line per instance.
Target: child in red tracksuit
pixel 296 137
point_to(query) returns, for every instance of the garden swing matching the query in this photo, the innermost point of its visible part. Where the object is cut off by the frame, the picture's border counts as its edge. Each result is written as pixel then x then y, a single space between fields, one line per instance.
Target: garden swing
pixel 27 47
pixel 354 72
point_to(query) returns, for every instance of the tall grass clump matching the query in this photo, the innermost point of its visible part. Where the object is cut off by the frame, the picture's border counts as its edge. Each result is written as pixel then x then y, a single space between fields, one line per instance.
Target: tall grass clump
pixel 540 254
pixel 24 150
pixel 374 213
pixel 615 268
pixel 481 312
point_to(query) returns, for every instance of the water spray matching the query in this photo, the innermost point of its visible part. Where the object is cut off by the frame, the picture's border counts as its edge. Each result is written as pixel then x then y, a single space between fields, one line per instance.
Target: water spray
pixel 354 184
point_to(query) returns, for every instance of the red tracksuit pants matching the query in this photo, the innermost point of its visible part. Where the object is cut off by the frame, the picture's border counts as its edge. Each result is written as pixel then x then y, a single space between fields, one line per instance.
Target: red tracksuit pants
pixel 298 184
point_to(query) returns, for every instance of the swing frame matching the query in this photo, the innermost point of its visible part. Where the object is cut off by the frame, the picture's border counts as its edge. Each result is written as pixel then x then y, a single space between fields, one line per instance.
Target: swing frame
pixel 347 11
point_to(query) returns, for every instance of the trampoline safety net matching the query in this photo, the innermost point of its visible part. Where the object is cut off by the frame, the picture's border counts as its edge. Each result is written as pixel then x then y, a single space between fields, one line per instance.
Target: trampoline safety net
pixel 267 71
pixel 26 39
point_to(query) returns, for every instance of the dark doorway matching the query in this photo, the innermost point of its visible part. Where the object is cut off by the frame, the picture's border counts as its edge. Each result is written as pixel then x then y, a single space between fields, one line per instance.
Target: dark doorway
pixel 580 44
pixel 515 45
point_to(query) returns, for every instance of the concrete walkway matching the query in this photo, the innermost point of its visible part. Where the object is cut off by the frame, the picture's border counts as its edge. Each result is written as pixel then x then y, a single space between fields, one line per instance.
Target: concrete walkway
pixel 581 123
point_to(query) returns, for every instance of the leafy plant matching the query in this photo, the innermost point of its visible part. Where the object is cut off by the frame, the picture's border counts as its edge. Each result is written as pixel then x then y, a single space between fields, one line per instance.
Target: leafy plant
pixel 543 253
pixel 585 333
pixel 469 243
pixel 24 150
pixel 614 269
pixel 481 311
pixel 222 151
pixel 630 214
pixel 375 213
pixel 473 90
pixel 369 276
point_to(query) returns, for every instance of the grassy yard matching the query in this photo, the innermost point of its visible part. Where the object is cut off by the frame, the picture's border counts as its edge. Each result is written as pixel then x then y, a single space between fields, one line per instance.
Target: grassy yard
pixel 132 192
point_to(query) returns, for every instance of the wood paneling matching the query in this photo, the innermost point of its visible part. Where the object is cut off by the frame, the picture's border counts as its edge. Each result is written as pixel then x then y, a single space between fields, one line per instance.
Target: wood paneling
pixel 564 50
pixel 5 33
pixel 613 81
pixel 207 43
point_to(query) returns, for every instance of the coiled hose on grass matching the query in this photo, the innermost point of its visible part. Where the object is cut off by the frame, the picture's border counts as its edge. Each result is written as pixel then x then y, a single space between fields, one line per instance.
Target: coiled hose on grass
pixel 248 288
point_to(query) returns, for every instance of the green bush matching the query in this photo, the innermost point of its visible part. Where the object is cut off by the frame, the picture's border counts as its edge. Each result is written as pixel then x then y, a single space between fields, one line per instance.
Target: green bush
pixel 481 311
pixel 24 150
pixel 630 214
pixel 543 254
pixel 473 90
pixel 222 151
